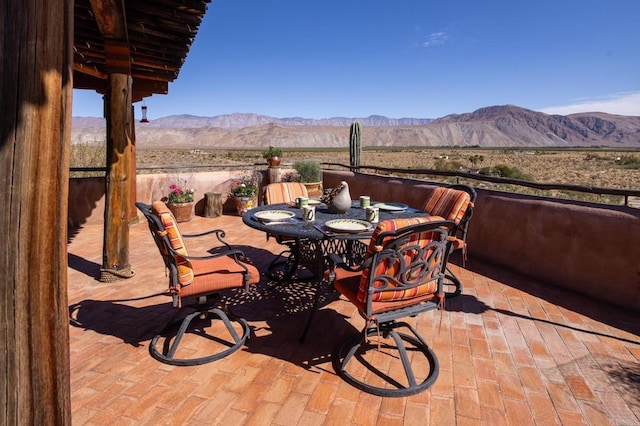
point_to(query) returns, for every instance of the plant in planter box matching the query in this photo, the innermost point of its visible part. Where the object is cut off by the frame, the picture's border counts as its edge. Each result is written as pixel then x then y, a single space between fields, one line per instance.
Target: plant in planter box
pixel 308 170
pixel 310 174
pixel 245 192
pixel 272 155
pixel 179 195
pixel 180 201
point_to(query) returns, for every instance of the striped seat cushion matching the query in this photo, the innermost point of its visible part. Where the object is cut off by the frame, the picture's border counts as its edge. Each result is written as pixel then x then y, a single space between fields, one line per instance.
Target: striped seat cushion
pixel 284 192
pixel 185 270
pixel 391 269
pixel 448 203
pixel 220 273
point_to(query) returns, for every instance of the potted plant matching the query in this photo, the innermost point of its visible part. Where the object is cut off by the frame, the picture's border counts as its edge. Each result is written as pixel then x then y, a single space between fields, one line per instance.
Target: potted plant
pixel 310 174
pixel 272 155
pixel 245 193
pixel 180 201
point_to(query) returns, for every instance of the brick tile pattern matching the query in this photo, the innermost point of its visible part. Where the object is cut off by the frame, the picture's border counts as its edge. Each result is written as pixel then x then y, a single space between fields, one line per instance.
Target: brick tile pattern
pixel 511 351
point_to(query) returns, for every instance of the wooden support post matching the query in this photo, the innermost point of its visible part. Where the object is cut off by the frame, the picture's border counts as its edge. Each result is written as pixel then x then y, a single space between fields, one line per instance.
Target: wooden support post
pixel 133 188
pixel 115 256
pixel 35 136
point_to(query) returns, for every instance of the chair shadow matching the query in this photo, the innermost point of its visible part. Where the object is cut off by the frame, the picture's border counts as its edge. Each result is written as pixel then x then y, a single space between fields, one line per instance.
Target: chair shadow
pixel 599 310
pixel 132 324
pixel 276 313
pixel 470 304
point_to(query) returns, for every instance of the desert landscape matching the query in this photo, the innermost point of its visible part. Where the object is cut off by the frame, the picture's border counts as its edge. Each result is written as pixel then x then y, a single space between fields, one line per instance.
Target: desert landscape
pixel 588 149
pixel 596 168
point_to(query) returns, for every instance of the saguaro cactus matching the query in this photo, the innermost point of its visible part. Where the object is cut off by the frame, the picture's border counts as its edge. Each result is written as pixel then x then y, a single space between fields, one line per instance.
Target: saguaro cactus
pixel 355 150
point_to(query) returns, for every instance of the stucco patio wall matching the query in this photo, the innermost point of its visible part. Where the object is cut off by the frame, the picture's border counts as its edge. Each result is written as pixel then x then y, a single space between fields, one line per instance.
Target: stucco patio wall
pixel 584 247
pixel 87 195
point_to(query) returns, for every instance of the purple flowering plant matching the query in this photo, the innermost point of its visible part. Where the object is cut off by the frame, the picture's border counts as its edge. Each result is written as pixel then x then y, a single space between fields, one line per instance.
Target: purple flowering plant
pixel 246 186
pixel 180 195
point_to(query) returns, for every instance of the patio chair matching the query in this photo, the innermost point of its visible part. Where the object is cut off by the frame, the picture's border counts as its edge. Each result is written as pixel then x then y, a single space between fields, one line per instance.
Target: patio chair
pixel 286 263
pixel 201 277
pixel 400 277
pixel 454 203
pixel 284 192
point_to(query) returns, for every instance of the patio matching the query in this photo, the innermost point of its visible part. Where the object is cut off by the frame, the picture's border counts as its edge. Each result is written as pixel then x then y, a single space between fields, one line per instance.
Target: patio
pixel 511 351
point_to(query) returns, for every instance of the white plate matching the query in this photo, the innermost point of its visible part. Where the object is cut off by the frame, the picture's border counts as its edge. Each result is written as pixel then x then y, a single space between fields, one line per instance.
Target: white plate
pixel 274 216
pixel 348 225
pixel 391 207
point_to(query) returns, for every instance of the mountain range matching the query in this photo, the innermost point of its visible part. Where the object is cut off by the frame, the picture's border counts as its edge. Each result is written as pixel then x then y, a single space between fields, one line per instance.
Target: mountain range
pixel 495 126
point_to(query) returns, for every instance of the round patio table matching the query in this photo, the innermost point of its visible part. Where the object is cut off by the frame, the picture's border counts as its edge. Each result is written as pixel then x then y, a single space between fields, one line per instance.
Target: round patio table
pixel 315 243
pixel 297 228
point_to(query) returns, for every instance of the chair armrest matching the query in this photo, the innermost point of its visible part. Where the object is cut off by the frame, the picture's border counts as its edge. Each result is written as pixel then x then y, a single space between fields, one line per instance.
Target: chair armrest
pixel 235 253
pixel 335 260
pixel 220 234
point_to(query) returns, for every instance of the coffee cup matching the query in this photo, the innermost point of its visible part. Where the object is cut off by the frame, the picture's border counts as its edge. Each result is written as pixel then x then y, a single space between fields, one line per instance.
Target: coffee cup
pixel 308 213
pixel 372 214
pixel 365 201
pixel 302 201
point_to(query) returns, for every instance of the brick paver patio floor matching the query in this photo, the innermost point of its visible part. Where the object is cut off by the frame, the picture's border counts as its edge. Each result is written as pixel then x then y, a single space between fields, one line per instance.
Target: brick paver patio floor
pixel 512 351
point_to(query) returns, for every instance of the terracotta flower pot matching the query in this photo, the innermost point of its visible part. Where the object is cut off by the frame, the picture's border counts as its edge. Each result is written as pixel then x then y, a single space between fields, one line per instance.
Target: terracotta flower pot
pixel 314 189
pixel 274 161
pixel 245 203
pixel 183 212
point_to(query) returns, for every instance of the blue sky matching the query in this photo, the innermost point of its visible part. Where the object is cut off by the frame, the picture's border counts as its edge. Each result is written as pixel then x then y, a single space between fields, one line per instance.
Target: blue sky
pixel 404 58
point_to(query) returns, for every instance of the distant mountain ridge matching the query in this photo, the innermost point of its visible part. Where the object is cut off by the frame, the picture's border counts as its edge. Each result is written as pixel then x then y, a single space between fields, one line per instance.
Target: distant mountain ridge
pixel 242 120
pixel 495 126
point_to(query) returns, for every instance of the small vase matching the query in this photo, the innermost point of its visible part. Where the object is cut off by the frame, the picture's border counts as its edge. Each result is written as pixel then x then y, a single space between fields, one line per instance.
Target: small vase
pixel 274 161
pixel 246 203
pixel 183 212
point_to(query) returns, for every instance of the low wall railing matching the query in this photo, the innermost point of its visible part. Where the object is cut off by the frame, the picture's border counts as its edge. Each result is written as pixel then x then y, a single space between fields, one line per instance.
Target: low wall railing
pixel 625 193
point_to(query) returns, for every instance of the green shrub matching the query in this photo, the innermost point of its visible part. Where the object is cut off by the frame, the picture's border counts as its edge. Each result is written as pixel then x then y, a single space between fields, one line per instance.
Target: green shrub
pixel 502 170
pixel 442 164
pixel 308 170
pixel 85 154
pixel 628 161
pixel 271 152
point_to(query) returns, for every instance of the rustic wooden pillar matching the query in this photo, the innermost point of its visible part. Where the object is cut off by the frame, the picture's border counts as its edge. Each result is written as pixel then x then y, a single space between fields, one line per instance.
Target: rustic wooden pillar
pixel 35 134
pixel 115 254
pixel 133 188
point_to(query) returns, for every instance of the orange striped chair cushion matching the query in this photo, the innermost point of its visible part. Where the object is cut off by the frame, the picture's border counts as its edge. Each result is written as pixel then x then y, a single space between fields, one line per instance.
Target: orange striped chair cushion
pixel 383 268
pixel 284 192
pixel 217 274
pixel 448 203
pixel 185 270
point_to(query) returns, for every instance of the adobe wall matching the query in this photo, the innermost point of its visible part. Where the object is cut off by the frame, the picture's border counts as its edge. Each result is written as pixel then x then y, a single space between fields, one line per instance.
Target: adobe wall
pixel 87 195
pixel 583 247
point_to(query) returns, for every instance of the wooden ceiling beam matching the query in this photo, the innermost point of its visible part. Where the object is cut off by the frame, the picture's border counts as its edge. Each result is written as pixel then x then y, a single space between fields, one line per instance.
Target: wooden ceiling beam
pixel 110 18
pixel 112 24
pixel 147 39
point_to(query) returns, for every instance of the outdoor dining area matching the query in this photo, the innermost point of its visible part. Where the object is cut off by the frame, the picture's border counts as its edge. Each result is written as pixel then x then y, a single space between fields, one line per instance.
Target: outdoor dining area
pixel 307 307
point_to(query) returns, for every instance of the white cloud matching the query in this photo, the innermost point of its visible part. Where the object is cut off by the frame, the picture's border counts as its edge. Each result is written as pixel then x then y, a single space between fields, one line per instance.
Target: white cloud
pixel 620 104
pixel 435 38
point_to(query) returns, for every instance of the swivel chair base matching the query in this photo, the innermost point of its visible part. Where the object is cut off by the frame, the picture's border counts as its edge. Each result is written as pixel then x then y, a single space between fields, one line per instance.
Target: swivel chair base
pixel 172 341
pixel 357 346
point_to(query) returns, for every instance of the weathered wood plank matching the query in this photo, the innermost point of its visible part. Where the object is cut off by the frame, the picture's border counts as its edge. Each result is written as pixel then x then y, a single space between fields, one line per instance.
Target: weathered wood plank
pixel 110 17
pixel 115 259
pixel 35 126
